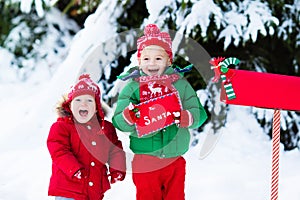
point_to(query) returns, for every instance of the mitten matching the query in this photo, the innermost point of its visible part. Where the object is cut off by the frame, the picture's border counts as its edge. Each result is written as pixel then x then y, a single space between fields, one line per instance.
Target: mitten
pixel 116 176
pixel 80 174
pixel 183 118
pixel 131 114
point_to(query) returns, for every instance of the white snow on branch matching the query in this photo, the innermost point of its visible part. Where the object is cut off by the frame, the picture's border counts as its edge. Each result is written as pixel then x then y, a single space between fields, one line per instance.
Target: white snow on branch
pixel 200 15
pixel 27 4
pixel 245 21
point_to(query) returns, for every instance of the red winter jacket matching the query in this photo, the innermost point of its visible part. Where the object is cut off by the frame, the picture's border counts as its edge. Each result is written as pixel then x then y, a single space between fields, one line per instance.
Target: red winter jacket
pixel 75 146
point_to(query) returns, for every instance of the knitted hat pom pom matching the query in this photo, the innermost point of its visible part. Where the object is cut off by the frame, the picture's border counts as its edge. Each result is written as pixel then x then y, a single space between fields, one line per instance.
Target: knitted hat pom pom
pixel 151 30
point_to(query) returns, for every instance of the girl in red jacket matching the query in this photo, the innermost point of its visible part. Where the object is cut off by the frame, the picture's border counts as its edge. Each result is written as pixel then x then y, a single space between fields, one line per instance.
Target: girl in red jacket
pixel 83 146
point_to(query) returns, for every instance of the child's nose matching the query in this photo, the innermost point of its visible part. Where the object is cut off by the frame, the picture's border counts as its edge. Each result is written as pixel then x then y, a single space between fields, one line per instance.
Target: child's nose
pixel 152 62
pixel 84 102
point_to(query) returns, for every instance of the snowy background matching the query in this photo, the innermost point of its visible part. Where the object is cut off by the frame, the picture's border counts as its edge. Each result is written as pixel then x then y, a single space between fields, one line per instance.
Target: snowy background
pixel 239 167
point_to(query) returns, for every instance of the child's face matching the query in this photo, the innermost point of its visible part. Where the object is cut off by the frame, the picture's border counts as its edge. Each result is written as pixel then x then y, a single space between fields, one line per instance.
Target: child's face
pixel 154 60
pixel 83 108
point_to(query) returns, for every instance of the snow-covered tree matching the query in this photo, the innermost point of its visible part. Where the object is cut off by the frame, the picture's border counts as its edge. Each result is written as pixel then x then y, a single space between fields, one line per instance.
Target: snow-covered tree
pixel 25 31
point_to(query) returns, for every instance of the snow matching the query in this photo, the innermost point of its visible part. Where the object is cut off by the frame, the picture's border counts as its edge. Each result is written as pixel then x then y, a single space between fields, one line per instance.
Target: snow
pixel 200 14
pixel 26 6
pixel 239 167
pixel 245 20
pixel 154 11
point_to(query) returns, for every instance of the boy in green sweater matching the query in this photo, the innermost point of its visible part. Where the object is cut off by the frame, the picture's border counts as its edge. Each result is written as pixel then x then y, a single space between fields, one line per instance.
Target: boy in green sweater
pixel 160 137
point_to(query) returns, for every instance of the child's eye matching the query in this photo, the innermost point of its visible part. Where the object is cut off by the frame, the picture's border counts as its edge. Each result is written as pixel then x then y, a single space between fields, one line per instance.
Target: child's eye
pixel 158 58
pixel 90 100
pixel 77 100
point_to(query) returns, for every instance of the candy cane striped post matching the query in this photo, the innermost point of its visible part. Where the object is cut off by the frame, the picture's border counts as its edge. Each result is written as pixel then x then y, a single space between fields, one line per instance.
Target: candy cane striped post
pixel 228 88
pixel 275 154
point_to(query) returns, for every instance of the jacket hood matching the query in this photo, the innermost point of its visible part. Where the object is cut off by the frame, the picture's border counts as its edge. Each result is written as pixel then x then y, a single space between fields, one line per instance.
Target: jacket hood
pixel 63 108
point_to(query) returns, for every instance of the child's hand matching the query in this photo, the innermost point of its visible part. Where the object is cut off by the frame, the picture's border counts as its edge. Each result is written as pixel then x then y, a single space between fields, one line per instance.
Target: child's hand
pixel 131 106
pixel 116 176
pixel 177 117
pixel 134 109
pixel 131 114
pixel 78 174
pixel 183 118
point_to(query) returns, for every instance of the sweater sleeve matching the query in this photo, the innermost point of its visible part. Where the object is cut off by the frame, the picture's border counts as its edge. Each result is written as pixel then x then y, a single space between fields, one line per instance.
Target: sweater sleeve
pixel 127 95
pixel 58 143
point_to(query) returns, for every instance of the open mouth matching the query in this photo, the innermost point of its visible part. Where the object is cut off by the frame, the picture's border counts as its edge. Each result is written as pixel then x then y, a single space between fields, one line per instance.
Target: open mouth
pixel 83 113
pixel 153 71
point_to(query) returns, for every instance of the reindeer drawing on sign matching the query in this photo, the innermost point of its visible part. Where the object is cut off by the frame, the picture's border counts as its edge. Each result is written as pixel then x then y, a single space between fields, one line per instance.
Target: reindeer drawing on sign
pixel 154 90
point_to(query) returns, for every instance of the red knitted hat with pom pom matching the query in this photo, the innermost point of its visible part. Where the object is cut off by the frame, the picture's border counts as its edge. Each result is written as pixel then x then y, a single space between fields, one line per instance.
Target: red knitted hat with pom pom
pixel 153 36
pixel 85 85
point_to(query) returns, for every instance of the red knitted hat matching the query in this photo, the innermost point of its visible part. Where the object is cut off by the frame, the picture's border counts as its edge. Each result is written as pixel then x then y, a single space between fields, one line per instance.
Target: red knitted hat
pixel 85 85
pixel 153 36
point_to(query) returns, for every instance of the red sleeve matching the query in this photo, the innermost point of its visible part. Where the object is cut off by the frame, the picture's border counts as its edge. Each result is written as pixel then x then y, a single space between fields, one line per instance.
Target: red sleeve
pixel 117 160
pixel 58 143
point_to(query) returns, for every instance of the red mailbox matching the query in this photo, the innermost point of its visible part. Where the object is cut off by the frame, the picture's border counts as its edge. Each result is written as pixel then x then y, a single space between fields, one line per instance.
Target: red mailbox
pixel 264 90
